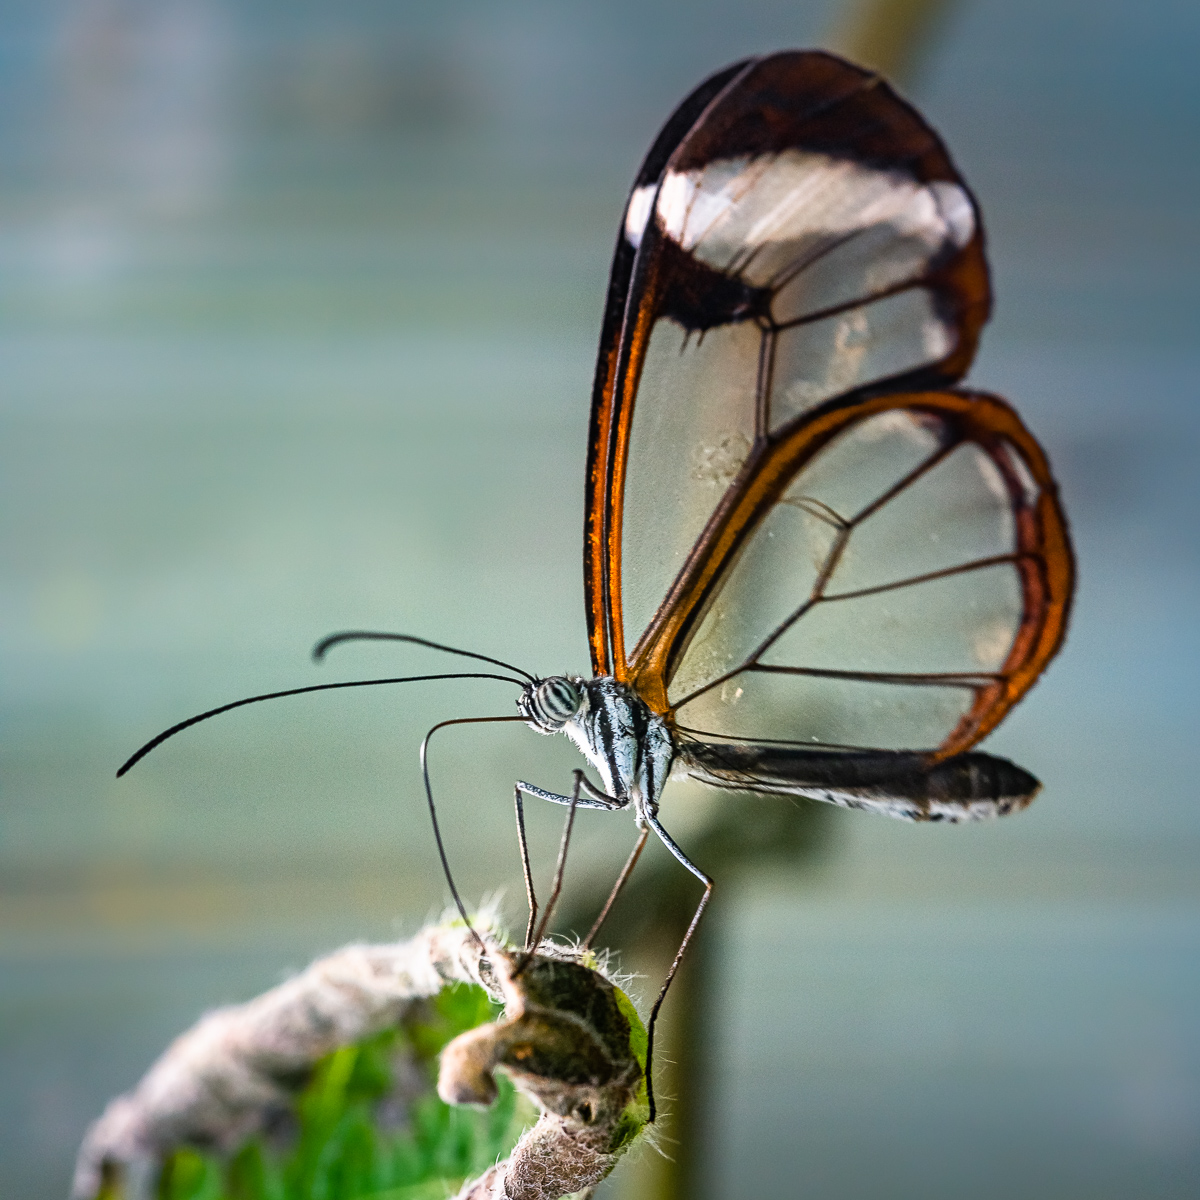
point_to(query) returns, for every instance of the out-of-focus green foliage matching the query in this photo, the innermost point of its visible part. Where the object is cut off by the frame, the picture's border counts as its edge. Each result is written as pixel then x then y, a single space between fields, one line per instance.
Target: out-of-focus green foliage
pixel 369 1124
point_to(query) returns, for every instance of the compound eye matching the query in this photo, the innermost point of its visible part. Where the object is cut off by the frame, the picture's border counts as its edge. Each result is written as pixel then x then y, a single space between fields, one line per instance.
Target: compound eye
pixel 558 700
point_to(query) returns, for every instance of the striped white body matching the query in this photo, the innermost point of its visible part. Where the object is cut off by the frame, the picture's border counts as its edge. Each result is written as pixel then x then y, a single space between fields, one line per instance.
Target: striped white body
pixel 629 746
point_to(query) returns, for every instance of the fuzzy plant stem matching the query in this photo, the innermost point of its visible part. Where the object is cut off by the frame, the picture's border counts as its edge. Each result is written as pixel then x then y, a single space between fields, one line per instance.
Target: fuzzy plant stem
pixel 239 1068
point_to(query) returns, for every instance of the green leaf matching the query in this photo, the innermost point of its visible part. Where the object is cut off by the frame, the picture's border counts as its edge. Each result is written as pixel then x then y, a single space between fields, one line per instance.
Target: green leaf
pixel 343 1151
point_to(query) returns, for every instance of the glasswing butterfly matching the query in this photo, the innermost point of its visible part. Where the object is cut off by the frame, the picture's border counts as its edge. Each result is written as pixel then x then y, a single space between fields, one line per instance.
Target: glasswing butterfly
pixel 812 565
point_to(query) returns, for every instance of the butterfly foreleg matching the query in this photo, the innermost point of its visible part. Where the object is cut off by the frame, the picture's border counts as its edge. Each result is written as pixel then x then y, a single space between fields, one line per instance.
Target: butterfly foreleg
pixel 598 799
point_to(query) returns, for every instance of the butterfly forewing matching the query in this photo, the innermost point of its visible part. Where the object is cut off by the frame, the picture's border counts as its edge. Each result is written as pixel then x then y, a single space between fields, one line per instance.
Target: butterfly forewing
pixel 806 238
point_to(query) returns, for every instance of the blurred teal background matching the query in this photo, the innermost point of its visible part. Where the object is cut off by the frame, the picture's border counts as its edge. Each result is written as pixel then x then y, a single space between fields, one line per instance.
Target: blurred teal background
pixel 298 309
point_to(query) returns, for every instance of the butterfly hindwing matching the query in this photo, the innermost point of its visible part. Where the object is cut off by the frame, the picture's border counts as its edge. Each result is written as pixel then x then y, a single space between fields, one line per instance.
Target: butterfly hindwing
pixel 893 574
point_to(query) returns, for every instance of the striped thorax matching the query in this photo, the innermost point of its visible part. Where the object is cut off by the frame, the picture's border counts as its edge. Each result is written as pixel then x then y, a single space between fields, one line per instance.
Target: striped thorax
pixel 628 745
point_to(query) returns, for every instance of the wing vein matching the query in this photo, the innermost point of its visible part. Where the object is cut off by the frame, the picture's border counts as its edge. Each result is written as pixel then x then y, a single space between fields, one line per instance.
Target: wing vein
pixel 834 310
pixel 816 595
pixel 904 482
pixel 978 564
pixel 971 680
pixel 766 372
pixel 793 270
pixel 811 744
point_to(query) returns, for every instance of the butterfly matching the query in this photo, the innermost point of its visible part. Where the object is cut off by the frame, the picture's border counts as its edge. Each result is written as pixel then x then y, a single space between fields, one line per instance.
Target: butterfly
pixel 813 565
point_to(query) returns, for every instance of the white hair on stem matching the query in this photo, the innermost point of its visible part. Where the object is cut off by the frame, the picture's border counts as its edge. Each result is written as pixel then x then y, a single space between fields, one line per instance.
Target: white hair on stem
pixel 238 1068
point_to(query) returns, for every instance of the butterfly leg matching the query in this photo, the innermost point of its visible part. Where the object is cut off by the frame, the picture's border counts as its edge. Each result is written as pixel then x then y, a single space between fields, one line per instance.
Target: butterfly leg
pixel 599 799
pixel 556 888
pixel 626 871
pixel 669 842
pixel 525 868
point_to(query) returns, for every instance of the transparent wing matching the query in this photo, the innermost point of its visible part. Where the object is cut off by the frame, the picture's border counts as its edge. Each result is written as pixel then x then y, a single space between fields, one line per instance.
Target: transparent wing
pixel 890 575
pixel 803 243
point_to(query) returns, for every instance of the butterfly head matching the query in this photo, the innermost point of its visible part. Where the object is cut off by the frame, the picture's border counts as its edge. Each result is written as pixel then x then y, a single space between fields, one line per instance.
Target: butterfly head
pixel 550 703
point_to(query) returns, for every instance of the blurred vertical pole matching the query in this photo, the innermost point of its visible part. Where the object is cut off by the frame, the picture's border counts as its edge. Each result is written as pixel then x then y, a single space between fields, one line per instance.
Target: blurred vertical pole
pixel 895 38
pixel 734 837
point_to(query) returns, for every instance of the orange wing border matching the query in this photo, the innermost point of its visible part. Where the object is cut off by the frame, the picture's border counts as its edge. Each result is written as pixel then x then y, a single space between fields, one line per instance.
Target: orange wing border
pixel 1043 555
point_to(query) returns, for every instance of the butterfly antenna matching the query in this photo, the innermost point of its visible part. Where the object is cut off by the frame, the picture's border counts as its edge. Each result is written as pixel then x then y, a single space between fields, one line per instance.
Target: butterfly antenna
pixel 320 687
pixel 437 832
pixel 363 635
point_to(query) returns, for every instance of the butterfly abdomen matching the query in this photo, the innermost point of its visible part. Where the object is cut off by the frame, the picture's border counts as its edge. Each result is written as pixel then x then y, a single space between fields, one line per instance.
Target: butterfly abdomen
pixel 903 784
